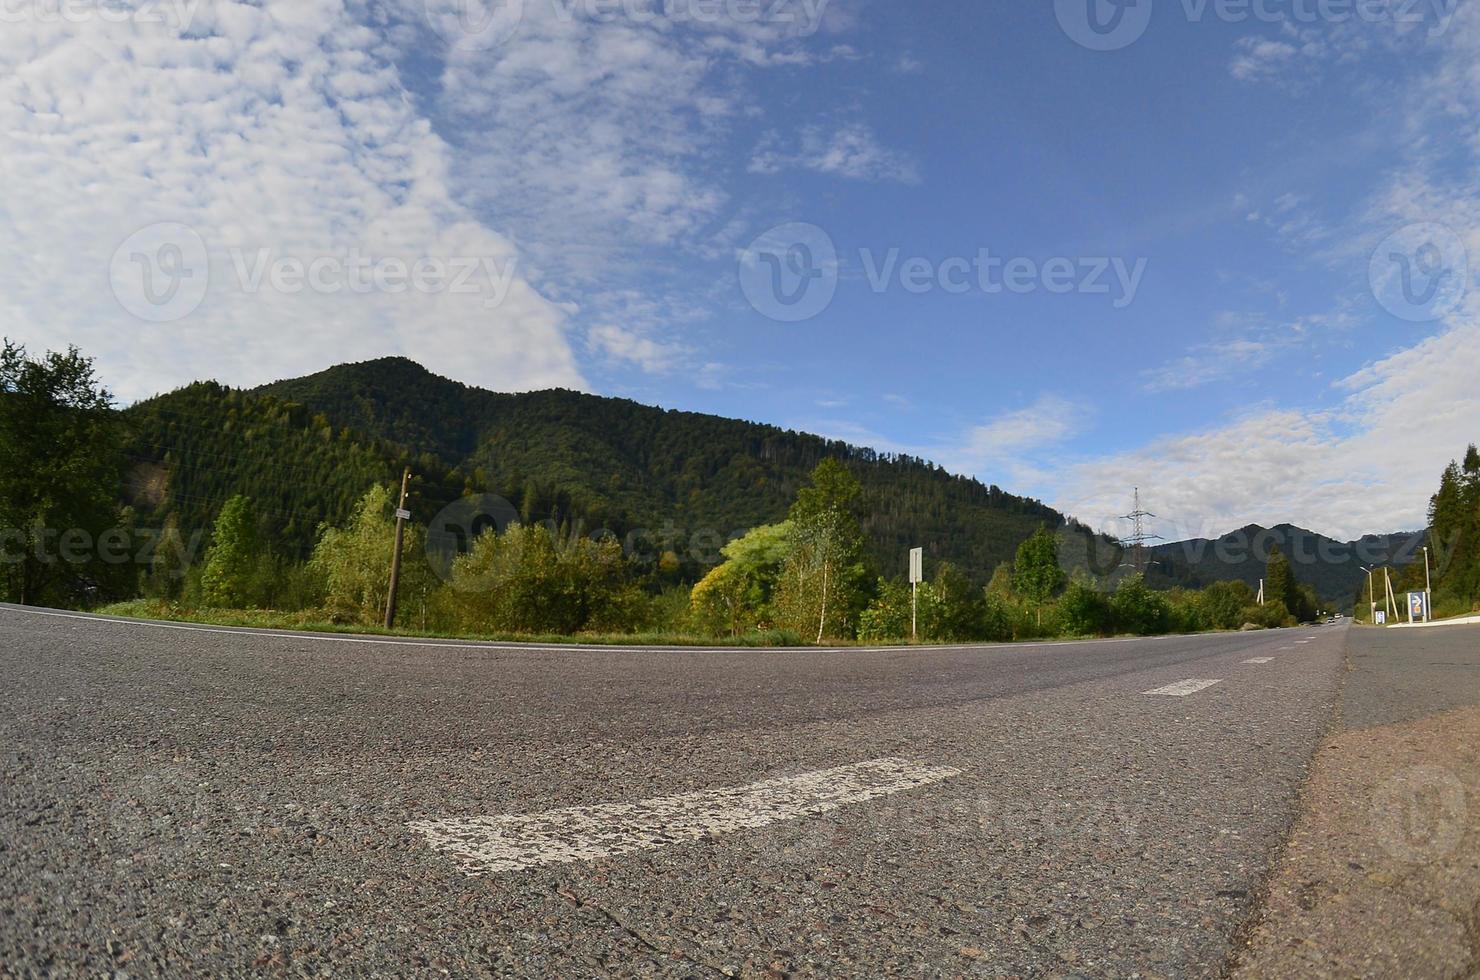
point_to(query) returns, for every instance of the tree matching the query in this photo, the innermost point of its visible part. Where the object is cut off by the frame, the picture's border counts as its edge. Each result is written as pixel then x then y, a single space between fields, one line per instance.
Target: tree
pixel 1036 573
pixel 354 562
pixel 1279 582
pixel 1137 609
pixel 169 562
pixel 736 594
pixel 821 583
pixel 1085 609
pixel 1224 603
pixel 231 563
pixel 59 480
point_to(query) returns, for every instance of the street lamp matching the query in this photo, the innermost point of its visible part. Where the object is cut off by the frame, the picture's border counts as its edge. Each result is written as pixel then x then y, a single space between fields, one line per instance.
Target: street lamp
pixel 1371 596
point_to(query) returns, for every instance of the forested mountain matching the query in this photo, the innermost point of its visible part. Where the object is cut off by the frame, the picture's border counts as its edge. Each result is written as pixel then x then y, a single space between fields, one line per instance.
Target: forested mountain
pixel 1333 568
pixel 305 450
pixel 187 452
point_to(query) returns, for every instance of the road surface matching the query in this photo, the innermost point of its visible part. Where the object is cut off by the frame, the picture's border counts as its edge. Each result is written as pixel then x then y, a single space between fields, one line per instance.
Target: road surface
pixel 184 801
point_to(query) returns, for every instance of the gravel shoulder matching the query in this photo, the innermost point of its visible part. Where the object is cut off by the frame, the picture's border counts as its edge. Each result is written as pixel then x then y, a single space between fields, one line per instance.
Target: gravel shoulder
pixel 1381 876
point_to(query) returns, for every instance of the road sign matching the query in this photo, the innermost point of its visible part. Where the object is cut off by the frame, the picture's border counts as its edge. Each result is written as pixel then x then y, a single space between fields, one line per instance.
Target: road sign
pixel 917 566
pixel 1418 607
pixel 403 515
pixel 1382 617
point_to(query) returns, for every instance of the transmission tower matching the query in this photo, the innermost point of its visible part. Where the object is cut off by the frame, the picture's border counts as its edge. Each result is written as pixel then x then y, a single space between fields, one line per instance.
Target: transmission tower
pixel 1136 542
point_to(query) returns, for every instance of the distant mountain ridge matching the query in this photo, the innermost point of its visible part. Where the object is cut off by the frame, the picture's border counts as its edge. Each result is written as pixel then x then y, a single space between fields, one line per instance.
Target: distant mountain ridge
pixel 1332 567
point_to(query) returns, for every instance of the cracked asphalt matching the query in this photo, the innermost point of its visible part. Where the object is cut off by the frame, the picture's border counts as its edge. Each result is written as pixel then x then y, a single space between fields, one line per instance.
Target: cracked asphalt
pixel 183 802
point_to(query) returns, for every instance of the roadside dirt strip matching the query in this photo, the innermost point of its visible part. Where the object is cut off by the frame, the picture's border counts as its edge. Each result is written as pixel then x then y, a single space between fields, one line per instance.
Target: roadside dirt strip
pixel 1381 877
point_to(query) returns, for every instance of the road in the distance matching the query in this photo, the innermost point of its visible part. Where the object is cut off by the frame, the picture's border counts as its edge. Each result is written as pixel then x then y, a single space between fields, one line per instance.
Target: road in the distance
pixel 190 802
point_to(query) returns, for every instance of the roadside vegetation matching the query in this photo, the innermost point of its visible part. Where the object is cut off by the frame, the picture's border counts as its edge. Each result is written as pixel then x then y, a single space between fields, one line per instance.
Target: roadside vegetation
pixel 810 578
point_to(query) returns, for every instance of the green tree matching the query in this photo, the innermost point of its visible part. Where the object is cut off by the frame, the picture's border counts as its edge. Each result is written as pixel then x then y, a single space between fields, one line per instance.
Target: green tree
pixel 1137 609
pixel 1036 573
pixel 231 563
pixel 59 480
pixel 1084 609
pixel 169 562
pixel 736 594
pixel 1224 603
pixel 354 562
pixel 1279 580
pixel 533 580
pixel 821 589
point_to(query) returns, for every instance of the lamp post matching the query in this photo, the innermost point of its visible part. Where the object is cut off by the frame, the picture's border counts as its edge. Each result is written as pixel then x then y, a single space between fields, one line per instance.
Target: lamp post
pixel 1371 596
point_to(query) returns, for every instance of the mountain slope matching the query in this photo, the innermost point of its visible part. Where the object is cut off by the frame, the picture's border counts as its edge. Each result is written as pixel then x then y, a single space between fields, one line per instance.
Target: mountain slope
pixel 307 447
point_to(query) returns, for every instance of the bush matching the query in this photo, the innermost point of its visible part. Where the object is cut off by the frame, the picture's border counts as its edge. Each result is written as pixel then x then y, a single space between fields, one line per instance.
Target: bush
pixel 1270 616
pixel 1139 610
pixel 1084 610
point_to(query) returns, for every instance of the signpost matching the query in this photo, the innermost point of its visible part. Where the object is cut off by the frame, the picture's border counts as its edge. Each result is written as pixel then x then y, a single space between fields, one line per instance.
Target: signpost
pixel 1418 606
pixel 917 575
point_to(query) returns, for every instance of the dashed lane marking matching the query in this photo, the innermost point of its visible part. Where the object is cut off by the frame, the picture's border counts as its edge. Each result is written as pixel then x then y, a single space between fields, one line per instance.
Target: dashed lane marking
pixel 482 845
pixel 1182 689
pixel 1260 660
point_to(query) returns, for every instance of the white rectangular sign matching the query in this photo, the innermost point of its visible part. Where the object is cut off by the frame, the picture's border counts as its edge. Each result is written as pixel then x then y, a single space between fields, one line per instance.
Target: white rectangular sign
pixel 917 566
pixel 403 515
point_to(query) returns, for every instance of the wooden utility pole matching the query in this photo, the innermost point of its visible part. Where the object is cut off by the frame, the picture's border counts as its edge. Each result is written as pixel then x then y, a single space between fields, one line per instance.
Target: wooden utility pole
pixel 402 516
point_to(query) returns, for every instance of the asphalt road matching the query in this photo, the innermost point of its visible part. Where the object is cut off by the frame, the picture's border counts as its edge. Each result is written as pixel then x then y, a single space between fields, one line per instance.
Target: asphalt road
pixel 191 802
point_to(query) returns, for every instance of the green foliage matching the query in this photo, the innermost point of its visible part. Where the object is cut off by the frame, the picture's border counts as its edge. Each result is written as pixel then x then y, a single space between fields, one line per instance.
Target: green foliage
pixel 736 595
pixel 1036 574
pixel 1223 604
pixel 605 462
pixel 1085 610
pixel 1454 536
pixel 354 562
pixel 228 578
pixel 59 469
pixel 1271 615
pixel 1138 609
pixel 532 580
pixel 822 584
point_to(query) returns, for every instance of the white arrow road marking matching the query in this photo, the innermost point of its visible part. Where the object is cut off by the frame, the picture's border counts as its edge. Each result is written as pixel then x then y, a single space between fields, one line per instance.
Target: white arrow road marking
pixel 517 842
pixel 1183 688
pixel 1260 660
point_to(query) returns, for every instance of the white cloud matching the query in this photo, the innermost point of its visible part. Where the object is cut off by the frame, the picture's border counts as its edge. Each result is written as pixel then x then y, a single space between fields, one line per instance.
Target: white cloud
pixel 281 126
pixel 1369 465
pixel 1008 449
pixel 852 151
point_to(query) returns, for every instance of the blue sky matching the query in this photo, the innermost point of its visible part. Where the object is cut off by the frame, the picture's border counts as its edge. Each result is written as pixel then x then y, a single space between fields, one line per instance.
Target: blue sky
pixel 610 185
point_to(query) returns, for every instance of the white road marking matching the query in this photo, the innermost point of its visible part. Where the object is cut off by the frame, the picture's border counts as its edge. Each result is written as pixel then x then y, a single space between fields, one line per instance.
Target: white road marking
pixel 1183 688
pixel 1260 660
pixel 513 843
pixel 1302 641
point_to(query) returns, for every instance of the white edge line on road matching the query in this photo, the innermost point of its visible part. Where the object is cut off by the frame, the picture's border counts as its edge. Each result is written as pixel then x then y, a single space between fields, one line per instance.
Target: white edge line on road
pixel 495 646
pixel 1260 660
pixel 481 845
pixel 1182 689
